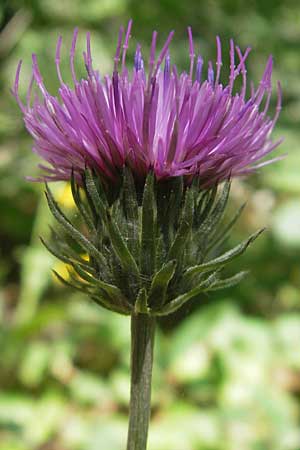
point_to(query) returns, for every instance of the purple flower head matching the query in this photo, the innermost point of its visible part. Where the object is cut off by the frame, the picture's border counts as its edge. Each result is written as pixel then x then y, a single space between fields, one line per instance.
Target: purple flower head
pixel 151 119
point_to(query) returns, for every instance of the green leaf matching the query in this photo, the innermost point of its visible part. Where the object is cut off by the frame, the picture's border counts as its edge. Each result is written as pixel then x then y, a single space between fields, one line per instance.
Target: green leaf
pixel 141 305
pixel 174 201
pixel 99 202
pixel 98 296
pixel 67 259
pixel 88 219
pixel 205 204
pixel 119 246
pixel 113 292
pixel 119 218
pixel 223 259
pixel 220 237
pixel 148 234
pixel 185 226
pixel 55 252
pixel 131 212
pixel 219 208
pixel 129 198
pixel 229 282
pixel 160 255
pixel 182 299
pixel 211 221
pixel 70 229
pixel 169 198
pixel 160 282
pixel 80 288
pixel 60 245
pixel 100 300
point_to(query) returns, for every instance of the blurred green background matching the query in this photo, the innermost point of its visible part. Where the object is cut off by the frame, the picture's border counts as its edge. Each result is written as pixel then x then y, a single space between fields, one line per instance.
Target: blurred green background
pixel 227 371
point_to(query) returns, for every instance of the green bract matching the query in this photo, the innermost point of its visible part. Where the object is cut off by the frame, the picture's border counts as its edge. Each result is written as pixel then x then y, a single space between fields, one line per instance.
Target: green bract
pixel 149 250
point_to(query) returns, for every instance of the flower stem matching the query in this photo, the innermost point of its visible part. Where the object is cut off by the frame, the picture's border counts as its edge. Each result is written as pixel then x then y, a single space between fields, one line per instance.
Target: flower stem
pixel 142 342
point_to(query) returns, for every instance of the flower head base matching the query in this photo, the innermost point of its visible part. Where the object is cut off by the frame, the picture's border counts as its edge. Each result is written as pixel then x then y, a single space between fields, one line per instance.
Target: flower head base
pixel 156 120
pixel 133 246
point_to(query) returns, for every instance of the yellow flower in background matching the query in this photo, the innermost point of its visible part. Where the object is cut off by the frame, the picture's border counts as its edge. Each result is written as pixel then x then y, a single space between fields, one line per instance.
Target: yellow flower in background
pixel 64 196
pixel 62 269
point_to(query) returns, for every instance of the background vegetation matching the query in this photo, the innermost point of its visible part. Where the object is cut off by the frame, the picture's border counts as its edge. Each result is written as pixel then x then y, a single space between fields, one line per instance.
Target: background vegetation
pixel 227 371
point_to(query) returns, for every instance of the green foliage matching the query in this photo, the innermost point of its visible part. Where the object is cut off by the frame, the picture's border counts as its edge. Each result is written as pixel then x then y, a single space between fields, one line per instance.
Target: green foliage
pixel 217 373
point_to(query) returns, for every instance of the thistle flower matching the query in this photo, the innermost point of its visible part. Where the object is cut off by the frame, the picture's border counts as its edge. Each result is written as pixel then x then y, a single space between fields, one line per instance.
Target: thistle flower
pixel 145 154
pixel 174 124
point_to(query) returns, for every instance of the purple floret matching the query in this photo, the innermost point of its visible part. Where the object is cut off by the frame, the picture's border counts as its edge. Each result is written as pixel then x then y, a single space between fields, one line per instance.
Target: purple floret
pixel 174 124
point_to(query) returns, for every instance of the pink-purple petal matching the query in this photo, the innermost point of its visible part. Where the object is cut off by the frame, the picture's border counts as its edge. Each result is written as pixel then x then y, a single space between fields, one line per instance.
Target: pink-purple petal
pixel 174 124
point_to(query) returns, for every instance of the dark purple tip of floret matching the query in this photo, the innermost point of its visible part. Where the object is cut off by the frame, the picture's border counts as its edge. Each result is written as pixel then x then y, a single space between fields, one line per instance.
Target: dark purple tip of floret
pixel 152 53
pixel 87 56
pixel 232 65
pixel 192 51
pixel 72 55
pixel 163 52
pixel 219 60
pixel 15 89
pixel 57 59
pixel 167 70
pixel 118 49
pixel 126 42
pixel 199 68
pixel 138 61
pixel 210 73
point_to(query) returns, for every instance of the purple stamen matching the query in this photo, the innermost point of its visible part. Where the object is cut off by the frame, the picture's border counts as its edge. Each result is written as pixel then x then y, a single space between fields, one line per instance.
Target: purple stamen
pixel 232 65
pixel 163 52
pixel 72 54
pixel 265 82
pixel 210 73
pixel 192 52
pixel 152 53
pixel 138 58
pixel 126 42
pixel 88 54
pixel 57 59
pixel 167 71
pixel 15 90
pixel 118 50
pixel 243 58
pixel 242 68
pixel 37 75
pixel 199 68
pixel 219 60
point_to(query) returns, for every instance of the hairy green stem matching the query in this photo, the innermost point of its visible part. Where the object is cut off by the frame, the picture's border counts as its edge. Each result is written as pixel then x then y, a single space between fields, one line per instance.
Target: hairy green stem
pixel 142 342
